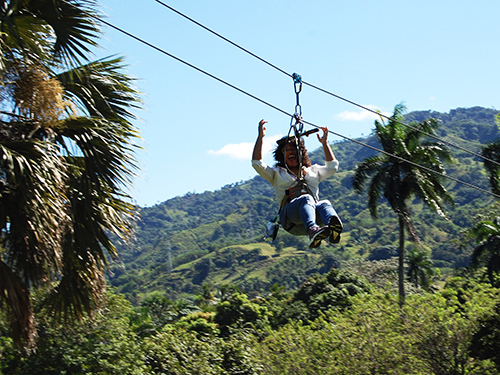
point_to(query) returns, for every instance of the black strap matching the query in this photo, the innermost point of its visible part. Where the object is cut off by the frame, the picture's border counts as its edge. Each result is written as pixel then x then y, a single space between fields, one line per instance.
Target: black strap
pixel 301 188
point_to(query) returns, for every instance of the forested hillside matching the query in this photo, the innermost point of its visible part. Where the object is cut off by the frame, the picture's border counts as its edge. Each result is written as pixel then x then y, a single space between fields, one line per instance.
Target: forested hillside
pixel 207 296
pixel 215 238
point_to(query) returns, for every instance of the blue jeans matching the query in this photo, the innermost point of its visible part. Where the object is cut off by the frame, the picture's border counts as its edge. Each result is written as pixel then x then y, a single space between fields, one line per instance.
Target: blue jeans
pixel 298 216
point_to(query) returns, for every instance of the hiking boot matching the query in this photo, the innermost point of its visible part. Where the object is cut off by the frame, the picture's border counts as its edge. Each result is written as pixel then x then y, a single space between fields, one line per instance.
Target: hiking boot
pixel 317 234
pixel 336 227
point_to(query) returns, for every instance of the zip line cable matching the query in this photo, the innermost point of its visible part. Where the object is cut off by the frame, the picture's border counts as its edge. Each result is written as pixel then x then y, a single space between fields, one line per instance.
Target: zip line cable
pixel 192 66
pixel 326 91
pixel 223 38
pixel 290 115
pixel 404 124
pixel 409 162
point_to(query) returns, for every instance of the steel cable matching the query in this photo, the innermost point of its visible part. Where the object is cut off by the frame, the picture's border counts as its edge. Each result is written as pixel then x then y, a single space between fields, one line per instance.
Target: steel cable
pixel 326 91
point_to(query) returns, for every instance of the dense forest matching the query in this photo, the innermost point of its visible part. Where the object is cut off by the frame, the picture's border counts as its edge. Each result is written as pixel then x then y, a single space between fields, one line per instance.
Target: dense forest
pixel 199 291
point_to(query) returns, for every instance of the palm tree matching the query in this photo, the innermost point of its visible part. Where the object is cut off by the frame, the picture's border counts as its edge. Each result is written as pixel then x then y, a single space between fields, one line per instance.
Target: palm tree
pixel 487 252
pixel 491 152
pixel 66 159
pixel 395 176
pixel 420 270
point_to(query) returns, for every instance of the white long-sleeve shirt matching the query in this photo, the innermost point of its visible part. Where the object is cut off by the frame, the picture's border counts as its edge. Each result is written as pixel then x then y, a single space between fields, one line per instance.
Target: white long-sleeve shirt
pixel 282 180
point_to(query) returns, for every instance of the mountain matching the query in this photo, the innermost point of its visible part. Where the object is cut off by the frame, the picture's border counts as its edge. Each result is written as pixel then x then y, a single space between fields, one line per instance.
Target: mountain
pixel 215 238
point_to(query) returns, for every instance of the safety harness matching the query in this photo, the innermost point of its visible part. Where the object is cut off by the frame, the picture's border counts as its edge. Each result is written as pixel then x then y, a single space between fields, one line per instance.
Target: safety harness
pixel 295 191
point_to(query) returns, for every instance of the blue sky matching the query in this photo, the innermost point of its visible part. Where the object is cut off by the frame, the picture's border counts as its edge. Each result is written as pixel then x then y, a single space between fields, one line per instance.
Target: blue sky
pixel 198 133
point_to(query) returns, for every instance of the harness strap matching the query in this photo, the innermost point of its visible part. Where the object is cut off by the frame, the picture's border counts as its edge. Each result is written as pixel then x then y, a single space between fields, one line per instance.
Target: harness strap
pixel 301 188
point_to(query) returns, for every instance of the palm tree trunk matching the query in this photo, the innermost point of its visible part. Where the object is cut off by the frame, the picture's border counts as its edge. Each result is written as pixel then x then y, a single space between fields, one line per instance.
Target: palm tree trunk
pixel 16 296
pixel 401 268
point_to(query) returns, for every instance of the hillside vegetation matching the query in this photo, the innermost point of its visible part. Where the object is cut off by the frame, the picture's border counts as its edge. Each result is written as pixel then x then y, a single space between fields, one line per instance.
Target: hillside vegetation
pixel 215 238
pixel 208 296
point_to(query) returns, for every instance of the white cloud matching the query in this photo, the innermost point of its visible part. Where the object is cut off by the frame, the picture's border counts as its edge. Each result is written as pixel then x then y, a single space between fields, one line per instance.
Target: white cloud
pixel 243 151
pixel 234 150
pixel 360 115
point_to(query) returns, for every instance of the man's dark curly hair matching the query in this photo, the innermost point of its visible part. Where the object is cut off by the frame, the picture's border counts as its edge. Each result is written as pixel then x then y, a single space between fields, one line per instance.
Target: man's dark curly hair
pixel 279 156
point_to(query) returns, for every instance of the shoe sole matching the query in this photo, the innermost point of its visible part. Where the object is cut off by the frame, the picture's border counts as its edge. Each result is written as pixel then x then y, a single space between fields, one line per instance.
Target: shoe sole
pixel 336 229
pixel 316 240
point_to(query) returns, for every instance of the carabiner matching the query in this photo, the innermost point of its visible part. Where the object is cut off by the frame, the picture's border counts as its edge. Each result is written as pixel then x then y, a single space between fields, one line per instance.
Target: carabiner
pixel 297 83
pixel 297 86
pixel 298 126
pixel 298 109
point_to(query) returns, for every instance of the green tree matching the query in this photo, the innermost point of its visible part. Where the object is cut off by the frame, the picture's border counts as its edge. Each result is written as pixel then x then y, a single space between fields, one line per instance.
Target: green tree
pixel 444 326
pixel 66 158
pixel 491 152
pixel 396 177
pixel 485 343
pixel 420 267
pixel 159 310
pixel 205 297
pixel 176 351
pixel 487 252
pixel 237 311
pixel 430 334
pixel 200 322
pixel 103 344
pixel 321 293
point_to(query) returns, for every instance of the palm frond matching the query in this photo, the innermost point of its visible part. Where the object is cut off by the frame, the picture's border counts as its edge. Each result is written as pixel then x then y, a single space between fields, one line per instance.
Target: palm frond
pixel 487 252
pixel 64 28
pixel 74 24
pixel 484 229
pixel 33 200
pixel 107 150
pixel 399 111
pixel 101 90
pixel 492 153
pixel 81 286
pixel 420 269
pixel 21 36
pixel 364 170
pixel 101 166
pixel 375 191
